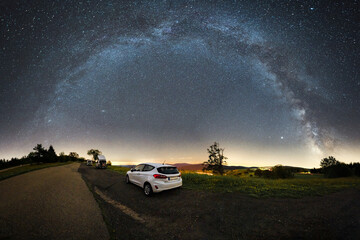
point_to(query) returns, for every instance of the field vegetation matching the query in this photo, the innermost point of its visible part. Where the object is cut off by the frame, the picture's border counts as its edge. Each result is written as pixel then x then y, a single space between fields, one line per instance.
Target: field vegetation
pixel 245 181
pixel 119 169
pixel 299 186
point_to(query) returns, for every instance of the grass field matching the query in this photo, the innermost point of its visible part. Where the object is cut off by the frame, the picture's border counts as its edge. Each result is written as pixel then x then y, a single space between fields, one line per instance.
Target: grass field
pixel 118 169
pixel 297 187
pixel 28 168
pixel 300 186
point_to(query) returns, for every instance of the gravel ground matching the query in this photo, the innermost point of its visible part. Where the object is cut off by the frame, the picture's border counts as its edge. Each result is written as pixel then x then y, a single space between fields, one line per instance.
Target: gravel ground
pixel 188 214
pixel 52 203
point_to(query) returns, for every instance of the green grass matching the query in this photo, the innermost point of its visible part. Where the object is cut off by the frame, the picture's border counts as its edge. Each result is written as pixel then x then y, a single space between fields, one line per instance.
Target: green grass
pixel 28 168
pixel 118 169
pixel 298 187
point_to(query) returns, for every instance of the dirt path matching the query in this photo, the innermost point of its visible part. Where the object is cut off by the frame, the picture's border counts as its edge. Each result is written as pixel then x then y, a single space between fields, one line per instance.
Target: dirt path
pixel 187 214
pixel 52 203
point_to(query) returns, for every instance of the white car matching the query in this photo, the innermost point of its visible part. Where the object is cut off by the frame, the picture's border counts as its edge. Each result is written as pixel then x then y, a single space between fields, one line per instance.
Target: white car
pixel 154 177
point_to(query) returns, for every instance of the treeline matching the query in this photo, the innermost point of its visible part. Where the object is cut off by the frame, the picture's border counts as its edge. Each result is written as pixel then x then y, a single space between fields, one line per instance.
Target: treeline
pixel 330 167
pixel 333 168
pixel 40 155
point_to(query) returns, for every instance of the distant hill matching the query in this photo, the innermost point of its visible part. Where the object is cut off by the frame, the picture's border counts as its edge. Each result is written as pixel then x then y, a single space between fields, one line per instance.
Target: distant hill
pixel 188 166
pixel 237 167
pixel 199 167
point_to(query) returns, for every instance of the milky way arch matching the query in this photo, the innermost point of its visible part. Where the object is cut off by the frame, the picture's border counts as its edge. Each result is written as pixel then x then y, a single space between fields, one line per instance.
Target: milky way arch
pixel 92 85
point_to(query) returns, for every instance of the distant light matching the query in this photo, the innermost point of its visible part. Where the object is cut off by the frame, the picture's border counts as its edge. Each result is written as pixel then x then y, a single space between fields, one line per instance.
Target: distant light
pixel 312 9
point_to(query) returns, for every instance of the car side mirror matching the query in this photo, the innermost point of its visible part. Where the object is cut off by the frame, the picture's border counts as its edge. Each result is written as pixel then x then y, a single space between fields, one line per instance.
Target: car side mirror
pixel 132 170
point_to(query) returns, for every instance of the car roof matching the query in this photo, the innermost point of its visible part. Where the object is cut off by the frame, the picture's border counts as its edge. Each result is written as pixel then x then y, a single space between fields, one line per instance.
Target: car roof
pixel 158 165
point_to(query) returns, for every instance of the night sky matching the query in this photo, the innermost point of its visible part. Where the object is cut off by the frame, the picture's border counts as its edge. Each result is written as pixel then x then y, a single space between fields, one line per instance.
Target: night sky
pixel 275 82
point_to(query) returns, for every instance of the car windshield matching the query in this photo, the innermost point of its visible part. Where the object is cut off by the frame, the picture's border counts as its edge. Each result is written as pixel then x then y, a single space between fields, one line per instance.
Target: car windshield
pixel 168 170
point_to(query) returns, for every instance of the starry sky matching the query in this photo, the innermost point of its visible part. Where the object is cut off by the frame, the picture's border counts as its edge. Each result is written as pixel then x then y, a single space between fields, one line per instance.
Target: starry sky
pixel 274 82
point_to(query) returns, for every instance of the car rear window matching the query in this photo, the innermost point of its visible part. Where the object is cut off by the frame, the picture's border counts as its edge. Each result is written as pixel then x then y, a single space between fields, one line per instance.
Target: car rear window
pixel 148 168
pixel 167 170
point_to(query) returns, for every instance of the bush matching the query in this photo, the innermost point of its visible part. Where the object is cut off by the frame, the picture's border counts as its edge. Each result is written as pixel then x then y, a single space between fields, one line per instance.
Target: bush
pixel 355 167
pixel 339 170
pixel 258 172
pixel 282 172
pixel 276 172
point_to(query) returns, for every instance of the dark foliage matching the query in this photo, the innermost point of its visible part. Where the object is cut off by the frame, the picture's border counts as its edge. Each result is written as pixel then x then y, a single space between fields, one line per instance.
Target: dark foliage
pixel 316 170
pixel 258 172
pixel 216 160
pixel 328 162
pixel 40 155
pixel 276 172
pixel 355 168
pixel 338 170
pixel 14 162
pixel 95 153
pixel 50 154
pixel 333 168
pixel 74 154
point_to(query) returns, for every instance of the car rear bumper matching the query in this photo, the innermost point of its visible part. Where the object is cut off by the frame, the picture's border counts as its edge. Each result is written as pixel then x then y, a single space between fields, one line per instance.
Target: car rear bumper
pixel 159 186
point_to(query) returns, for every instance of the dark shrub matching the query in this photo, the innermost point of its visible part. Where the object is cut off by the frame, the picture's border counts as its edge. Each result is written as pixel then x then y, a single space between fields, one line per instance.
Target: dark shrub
pixel 339 170
pixel 276 172
pixel 282 172
pixel 266 174
pixel 355 167
pixel 258 172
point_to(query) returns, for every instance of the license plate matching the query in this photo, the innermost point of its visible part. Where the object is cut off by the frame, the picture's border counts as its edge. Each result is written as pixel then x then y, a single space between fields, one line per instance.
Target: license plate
pixel 172 178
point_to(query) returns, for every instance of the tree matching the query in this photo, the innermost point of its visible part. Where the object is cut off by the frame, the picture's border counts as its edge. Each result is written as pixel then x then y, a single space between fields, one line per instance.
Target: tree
pixel 355 167
pixel 74 155
pixel 39 154
pixel 328 162
pixel 216 159
pixel 51 151
pixel 338 170
pixel 332 168
pixel 51 154
pixel 94 152
pixel 39 151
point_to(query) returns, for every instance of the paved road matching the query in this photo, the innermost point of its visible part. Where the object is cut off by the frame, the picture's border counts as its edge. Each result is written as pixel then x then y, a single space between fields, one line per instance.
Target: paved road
pixel 52 203
pixel 187 214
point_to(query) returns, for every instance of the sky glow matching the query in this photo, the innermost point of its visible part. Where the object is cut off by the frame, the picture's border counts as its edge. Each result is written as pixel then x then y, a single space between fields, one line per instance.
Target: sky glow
pixel 274 82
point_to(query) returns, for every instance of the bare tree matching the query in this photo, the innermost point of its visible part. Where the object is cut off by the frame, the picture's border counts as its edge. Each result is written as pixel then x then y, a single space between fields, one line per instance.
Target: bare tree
pixel 216 159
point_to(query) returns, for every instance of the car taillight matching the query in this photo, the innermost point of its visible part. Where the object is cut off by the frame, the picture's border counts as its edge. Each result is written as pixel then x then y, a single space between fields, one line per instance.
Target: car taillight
pixel 159 176
pixel 180 175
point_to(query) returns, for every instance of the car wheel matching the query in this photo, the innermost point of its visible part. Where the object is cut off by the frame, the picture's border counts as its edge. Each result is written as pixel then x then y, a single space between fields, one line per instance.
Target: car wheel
pixel 147 189
pixel 127 180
